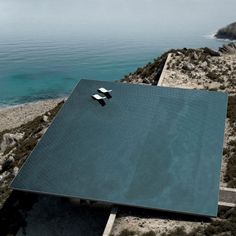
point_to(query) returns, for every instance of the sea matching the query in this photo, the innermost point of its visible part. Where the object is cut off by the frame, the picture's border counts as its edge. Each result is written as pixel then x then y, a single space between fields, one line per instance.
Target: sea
pixel 46 47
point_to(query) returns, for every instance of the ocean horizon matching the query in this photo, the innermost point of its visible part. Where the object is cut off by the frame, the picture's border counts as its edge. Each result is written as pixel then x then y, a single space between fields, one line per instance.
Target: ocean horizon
pixel 43 57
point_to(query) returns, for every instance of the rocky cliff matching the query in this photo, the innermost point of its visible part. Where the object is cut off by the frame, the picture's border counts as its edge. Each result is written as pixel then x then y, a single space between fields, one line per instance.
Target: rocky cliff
pixel 228 32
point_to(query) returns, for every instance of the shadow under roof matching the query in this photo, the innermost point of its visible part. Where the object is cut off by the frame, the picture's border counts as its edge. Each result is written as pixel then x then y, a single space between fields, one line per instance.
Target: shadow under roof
pixel 150 147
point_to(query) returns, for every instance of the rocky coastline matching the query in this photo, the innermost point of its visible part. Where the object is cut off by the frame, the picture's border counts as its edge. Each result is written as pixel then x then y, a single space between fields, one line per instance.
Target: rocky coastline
pixel 201 68
pixel 211 70
pixel 227 32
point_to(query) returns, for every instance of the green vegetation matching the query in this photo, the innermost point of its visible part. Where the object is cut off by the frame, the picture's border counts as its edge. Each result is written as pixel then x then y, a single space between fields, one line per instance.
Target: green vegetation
pixel 180 231
pixel 231 113
pixel 152 71
pixel 224 226
pixel 11 215
pixel 212 75
pixel 127 232
pixel 222 87
pixel 21 150
pixel 212 89
pixel 230 151
pixel 150 233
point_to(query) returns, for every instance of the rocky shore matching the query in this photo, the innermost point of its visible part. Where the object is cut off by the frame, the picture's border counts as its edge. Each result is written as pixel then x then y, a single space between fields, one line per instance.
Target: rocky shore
pixel 16 143
pixel 15 116
pixel 192 69
pixel 228 32
pixel 22 127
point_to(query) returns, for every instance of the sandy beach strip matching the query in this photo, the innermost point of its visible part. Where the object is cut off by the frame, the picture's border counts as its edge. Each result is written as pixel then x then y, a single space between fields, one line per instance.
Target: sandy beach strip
pixel 15 116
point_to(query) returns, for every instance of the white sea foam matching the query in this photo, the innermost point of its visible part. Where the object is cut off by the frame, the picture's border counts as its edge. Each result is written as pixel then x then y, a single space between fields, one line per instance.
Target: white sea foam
pixel 210 36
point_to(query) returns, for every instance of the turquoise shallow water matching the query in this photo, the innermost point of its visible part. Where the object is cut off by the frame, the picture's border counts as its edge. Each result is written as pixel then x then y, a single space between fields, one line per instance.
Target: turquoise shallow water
pixel 39 69
pixel 46 47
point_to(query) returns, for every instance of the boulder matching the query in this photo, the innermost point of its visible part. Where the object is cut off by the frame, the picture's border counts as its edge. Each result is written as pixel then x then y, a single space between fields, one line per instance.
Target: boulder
pixel 10 140
pixel 204 64
pixel 195 56
pixel 15 170
pixel 211 52
pixel 179 53
pixel 188 66
pixel 45 118
pixel 11 158
pixel 213 86
pixel 4 175
pixel 139 81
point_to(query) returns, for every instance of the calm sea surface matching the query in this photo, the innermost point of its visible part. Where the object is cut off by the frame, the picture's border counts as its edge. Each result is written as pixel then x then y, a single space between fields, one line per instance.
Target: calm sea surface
pixel 40 61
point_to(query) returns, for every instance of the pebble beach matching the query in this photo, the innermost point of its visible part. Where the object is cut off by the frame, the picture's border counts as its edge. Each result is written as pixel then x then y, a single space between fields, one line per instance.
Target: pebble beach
pixel 15 116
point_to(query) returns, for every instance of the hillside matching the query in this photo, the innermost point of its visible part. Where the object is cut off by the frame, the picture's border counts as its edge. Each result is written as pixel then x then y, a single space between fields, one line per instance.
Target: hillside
pixel 192 69
pixel 187 68
pixel 228 32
